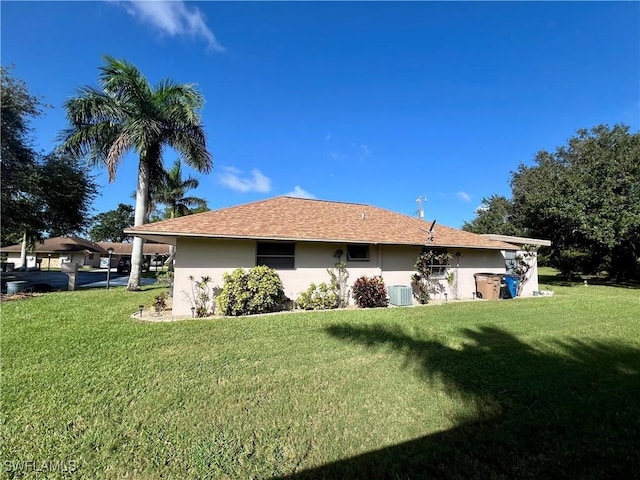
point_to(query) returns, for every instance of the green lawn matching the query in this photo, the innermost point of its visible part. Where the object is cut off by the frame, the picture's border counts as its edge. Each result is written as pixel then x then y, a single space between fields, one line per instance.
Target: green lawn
pixel 526 388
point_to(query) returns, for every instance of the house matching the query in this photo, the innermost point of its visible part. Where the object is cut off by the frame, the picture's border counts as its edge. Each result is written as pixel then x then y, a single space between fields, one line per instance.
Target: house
pixel 301 238
pixel 50 253
pixel 153 253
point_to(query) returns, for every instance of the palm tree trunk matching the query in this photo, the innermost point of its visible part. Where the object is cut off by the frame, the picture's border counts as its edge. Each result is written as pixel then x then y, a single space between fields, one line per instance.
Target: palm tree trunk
pixel 23 251
pixel 142 193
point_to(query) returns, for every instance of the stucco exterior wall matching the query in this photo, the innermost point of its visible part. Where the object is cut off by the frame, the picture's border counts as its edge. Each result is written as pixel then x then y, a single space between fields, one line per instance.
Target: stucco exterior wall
pixel 209 257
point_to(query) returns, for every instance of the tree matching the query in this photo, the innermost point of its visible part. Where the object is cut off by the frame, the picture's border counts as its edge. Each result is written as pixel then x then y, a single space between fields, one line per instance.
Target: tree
pixel 109 226
pixel 48 194
pixel 18 158
pixel 171 192
pixel 127 114
pixel 585 198
pixel 495 216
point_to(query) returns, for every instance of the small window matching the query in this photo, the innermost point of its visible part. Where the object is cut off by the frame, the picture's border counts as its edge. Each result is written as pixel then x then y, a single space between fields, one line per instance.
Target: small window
pixel 277 255
pixel 358 253
pixel 91 256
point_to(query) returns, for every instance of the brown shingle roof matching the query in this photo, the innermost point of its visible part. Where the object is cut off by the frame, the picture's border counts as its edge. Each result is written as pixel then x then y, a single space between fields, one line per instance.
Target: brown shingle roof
pixel 288 218
pixel 61 244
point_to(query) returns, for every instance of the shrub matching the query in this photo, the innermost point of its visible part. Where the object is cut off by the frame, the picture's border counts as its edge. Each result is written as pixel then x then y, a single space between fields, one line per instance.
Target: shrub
pixel 370 292
pixel 246 293
pixel 424 280
pixel 339 276
pixel 318 297
pixel 265 289
pixel 160 302
pixel 201 296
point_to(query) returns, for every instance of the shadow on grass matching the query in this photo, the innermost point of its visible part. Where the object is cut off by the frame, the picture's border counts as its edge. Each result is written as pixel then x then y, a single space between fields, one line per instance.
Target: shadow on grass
pixel 570 413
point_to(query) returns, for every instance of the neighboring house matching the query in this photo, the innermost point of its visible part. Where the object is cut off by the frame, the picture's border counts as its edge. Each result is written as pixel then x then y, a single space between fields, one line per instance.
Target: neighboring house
pixel 301 238
pixel 152 252
pixel 50 253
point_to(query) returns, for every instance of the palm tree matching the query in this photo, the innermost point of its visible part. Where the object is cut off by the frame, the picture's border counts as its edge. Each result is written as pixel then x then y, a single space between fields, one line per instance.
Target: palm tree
pixel 171 193
pixel 126 115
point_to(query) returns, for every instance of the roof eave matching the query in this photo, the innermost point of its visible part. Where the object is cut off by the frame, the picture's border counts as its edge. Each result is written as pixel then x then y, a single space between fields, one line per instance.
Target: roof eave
pixel 518 240
pixel 163 236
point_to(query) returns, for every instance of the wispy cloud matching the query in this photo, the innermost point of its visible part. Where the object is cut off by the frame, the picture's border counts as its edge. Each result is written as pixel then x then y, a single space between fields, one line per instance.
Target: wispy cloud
pixel 357 150
pixel 363 151
pixel 236 179
pixel 464 196
pixel 172 18
pixel 300 193
pixel 327 137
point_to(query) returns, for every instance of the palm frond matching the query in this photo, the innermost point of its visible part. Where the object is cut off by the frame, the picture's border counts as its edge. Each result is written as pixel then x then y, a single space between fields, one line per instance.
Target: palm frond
pixel 191 144
pixel 125 83
pixel 117 150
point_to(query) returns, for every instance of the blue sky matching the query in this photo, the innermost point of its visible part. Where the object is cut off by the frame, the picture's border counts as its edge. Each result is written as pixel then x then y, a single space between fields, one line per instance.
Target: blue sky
pixel 378 103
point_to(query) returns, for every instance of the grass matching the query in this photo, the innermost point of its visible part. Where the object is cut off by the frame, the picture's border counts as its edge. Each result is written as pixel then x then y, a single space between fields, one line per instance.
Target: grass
pixel 527 388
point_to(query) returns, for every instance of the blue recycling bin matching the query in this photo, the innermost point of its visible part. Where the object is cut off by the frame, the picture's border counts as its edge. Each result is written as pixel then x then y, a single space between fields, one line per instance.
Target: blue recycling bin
pixel 511 282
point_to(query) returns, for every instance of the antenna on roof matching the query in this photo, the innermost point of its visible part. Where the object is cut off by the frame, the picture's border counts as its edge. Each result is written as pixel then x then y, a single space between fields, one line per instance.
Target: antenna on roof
pixel 430 233
pixel 420 211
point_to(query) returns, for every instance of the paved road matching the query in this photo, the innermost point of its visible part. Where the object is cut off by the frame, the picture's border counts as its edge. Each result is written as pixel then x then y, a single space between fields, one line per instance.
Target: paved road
pixel 60 281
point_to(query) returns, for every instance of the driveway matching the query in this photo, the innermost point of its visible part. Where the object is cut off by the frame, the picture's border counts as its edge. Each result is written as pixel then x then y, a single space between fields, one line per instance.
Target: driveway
pixel 60 281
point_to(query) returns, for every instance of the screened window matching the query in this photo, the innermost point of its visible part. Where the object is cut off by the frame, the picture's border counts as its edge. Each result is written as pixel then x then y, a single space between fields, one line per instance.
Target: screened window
pixel 277 255
pixel 358 252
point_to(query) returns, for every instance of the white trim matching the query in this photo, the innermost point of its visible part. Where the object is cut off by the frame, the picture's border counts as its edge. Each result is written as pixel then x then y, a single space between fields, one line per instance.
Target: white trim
pixel 518 240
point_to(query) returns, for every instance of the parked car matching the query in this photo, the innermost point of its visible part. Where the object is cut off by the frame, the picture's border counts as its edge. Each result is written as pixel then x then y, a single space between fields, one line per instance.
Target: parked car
pixel 124 264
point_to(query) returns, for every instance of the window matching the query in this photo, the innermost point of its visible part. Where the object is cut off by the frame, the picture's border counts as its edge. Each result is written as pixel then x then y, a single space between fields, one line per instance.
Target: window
pixel 510 261
pixel 91 256
pixel 439 259
pixel 277 255
pixel 359 253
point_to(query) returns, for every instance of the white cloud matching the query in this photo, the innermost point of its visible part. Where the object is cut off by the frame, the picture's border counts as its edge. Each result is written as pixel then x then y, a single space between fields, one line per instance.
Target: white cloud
pixel 235 179
pixel 173 18
pixel 327 137
pixel 300 193
pixel 464 196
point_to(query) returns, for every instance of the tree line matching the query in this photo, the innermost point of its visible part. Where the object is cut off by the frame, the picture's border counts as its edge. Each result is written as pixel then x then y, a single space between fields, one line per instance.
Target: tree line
pixel 584 197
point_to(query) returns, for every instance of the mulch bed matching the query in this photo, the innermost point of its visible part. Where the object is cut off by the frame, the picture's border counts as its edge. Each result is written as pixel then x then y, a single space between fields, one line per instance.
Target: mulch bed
pixel 4 297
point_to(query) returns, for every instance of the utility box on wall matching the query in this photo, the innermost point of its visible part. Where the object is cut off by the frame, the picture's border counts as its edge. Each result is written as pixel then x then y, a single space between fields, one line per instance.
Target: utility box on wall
pixel 400 295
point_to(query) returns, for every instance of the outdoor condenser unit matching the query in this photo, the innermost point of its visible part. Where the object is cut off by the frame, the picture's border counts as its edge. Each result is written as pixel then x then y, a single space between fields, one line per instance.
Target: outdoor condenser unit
pixel 400 295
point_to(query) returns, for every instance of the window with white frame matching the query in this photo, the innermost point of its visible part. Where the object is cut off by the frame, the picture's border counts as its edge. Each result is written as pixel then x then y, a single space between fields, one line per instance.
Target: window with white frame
pixel 439 260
